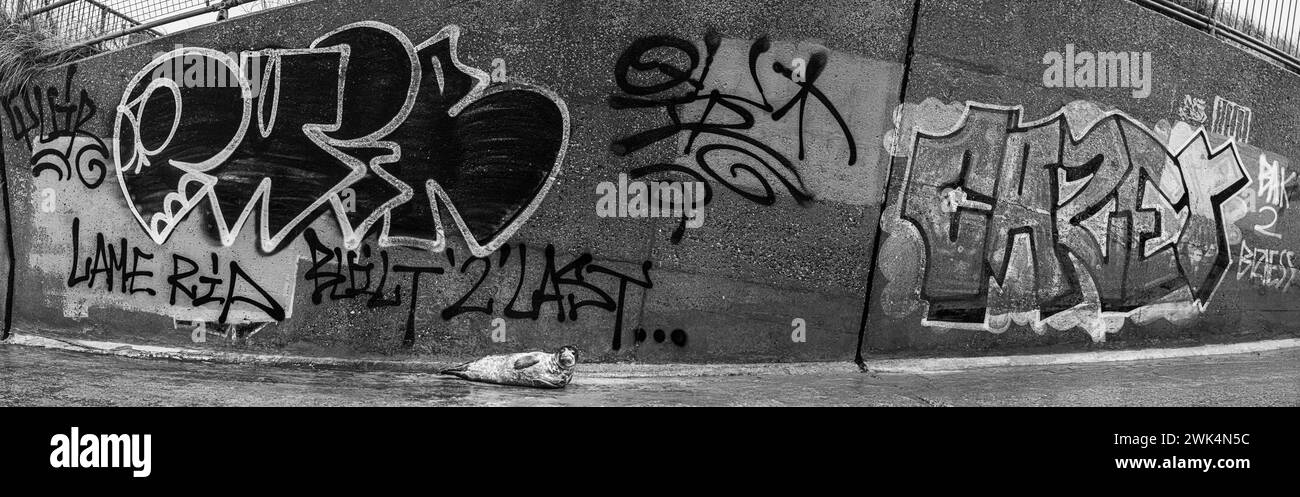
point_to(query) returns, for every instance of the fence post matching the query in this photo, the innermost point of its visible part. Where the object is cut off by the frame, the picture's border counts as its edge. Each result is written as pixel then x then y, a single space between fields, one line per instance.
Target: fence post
pixel 1214 16
pixel 103 22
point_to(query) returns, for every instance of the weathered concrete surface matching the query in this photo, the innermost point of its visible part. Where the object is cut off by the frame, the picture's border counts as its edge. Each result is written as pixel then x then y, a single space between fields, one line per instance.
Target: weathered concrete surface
pixel 615 370
pixel 43 377
pixel 992 54
pixel 499 121
pixel 728 291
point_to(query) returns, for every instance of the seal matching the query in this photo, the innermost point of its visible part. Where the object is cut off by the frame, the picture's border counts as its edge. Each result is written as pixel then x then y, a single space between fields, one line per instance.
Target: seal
pixel 527 369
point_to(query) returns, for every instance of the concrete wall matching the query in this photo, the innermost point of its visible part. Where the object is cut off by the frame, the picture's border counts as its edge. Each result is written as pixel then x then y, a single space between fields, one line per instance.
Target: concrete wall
pixel 446 179
pixel 1086 214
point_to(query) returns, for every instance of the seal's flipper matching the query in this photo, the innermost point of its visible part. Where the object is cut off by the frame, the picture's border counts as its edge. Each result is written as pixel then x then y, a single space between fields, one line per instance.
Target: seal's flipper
pixel 525 362
pixel 458 371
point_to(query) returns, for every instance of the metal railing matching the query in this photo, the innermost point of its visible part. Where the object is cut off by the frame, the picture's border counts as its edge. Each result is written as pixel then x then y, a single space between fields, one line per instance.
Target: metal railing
pixel 110 24
pixel 73 21
pixel 148 10
pixel 1268 27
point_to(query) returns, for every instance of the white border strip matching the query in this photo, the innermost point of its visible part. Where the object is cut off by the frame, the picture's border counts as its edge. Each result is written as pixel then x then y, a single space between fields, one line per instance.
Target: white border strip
pixel 913 366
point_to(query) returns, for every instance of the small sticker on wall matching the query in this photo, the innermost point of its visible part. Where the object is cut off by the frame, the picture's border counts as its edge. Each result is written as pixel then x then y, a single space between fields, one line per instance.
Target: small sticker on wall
pixel 800 332
pixel 499 330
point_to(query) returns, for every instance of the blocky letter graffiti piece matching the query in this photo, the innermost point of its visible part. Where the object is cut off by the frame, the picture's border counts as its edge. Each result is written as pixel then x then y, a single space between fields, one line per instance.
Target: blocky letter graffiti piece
pixel 1100 160
pixel 949 198
pixel 1155 200
pixel 1212 177
pixel 1036 208
pixel 1025 201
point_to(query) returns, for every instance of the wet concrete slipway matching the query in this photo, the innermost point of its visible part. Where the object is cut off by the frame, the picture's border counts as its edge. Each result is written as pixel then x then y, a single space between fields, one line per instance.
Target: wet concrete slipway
pixel 40 376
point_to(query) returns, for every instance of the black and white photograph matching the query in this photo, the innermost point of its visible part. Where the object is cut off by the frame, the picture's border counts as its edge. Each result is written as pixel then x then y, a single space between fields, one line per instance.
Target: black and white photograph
pixel 311 204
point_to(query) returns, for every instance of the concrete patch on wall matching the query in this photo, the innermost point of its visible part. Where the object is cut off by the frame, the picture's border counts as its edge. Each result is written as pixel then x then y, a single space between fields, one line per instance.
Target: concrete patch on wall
pixel 76 234
pixel 764 118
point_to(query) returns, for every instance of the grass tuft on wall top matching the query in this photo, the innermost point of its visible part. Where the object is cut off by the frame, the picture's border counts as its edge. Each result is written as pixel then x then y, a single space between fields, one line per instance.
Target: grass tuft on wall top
pixel 27 50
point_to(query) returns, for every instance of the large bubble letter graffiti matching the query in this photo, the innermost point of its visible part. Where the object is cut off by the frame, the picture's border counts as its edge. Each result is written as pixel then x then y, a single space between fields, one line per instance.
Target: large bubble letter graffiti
pixel 384 133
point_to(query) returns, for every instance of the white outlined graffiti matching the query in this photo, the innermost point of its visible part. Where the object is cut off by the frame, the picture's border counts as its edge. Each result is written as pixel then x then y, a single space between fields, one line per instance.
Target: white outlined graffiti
pixel 390 153
pixel 1114 225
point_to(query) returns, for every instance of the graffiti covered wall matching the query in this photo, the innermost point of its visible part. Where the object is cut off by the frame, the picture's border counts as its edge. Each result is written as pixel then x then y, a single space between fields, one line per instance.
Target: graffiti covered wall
pixel 663 182
pixel 412 178
pixel 1074 187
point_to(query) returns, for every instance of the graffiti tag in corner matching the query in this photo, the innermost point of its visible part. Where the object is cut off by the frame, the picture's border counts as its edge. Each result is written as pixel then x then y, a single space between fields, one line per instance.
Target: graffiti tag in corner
pixel 1047 216
pixel 53 126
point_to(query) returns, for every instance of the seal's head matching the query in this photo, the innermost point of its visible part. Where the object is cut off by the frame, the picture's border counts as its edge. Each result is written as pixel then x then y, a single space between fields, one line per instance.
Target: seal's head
pixel 567 356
